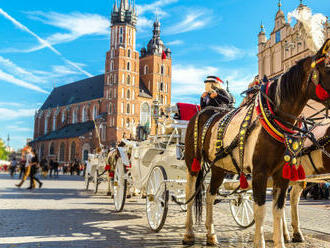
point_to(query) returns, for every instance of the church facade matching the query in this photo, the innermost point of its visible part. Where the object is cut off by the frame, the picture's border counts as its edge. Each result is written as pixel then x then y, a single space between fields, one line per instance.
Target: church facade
pixel 118 103
pixel 285 46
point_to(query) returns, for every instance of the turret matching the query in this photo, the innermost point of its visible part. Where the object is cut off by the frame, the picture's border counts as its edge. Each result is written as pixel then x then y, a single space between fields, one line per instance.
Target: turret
pixel 262 35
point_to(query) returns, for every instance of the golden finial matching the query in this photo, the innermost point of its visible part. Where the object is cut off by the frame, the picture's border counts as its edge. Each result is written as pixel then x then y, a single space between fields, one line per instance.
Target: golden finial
pixel 279 4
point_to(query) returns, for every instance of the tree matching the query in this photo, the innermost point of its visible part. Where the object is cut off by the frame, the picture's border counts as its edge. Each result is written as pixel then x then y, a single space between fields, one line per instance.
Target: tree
pixel 3 153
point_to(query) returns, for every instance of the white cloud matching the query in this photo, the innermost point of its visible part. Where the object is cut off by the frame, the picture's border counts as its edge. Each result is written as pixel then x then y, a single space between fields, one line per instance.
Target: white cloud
pixel 76 24
pixel 19 128
pixel 13 104
pixel 175 42
pixel 42 41
pixel 12 79
pixel 192 21
pixel 230 52
pixel 143 22
pixel 10 114
pixel 154 7
pixel 189 79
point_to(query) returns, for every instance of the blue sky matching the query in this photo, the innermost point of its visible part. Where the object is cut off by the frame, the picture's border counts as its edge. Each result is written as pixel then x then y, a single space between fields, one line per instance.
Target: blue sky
pixel 50 43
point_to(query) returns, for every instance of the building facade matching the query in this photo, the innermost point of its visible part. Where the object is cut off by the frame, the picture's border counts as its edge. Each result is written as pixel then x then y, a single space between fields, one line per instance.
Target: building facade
pixel 118 103
pixel 285 46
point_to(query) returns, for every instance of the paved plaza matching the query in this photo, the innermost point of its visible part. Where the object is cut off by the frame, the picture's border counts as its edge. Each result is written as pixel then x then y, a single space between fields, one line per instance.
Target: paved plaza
pixel 61 214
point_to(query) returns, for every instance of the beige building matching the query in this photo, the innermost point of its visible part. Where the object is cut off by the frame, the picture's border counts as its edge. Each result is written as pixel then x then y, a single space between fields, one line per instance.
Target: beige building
pixel 285 46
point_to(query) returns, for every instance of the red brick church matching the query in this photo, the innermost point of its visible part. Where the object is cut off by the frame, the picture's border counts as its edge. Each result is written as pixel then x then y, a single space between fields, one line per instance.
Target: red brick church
pixel 120 100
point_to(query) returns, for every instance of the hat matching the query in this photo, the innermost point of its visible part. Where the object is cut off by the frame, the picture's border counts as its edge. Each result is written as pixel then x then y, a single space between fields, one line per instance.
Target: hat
pixel 213 79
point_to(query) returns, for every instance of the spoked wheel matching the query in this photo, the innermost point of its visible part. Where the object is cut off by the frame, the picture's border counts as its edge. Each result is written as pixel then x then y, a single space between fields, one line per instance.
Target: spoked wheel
pixel 119 186
pixel 157 199
pixel 87 180
pixel 242 209
pixel 95 179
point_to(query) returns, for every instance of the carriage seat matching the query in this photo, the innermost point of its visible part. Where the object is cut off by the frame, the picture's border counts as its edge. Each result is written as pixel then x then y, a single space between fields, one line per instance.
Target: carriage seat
pixel 187 111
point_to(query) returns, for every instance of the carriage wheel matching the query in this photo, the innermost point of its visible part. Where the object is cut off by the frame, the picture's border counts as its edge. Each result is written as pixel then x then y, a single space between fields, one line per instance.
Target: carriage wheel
pixel 95 180
pixel 120 186
pixel 87 180
pixel 157 199
pixel 242 209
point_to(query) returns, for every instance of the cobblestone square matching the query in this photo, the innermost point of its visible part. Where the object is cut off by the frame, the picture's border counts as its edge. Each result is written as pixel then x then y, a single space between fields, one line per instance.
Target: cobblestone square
pixel 61 214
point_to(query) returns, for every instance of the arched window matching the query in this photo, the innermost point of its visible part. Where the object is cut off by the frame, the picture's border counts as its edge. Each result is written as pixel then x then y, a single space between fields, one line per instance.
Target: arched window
pixel 162 69
pixel 129 53
pixel 146 69
pixel 111 66
pixel 73 151
pixel 127 122
pixel 95 112
pixel 112 53
pixel 111 79
pixel 74 116
pixel 110 93
pixel 52 149
pixel 145 114
pixel 128 79
pixel 128 108
pixel 128 66
pixel 110 108
pixel 128 94
pixel 161 88
pixel 54 122
pixel 46 125
pixel 84 114
pixel 63 116
pixel 122 107
pixel 62 148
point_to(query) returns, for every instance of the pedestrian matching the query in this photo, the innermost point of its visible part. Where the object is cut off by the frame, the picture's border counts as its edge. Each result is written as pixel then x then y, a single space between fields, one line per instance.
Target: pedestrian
pixel 44 167
pixel 27 167
pixel 51 167
pixel 13 165
pixel 56 165
pixel 34 168
pixel 22 166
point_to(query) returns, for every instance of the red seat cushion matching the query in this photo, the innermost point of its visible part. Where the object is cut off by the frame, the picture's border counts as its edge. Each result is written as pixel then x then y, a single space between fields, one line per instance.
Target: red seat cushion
pixel 187 110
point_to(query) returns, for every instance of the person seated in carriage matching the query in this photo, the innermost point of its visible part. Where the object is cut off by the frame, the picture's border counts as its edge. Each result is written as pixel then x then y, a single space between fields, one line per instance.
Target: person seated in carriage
pixel 215 95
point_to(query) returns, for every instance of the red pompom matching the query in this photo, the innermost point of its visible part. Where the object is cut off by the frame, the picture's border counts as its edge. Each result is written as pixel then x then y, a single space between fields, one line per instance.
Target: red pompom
pixel 294 174
pixel 107 167
pixel 196 165
pixel 301 172
pixel 286 172
pixel 111 174
pixel 321 93
pixel 243 181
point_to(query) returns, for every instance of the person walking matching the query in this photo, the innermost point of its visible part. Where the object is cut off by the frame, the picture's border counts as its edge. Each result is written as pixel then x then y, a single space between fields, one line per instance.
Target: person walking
pixel 34 168
pixel 27 168
pixel 55 164
pixel 13 167
pixel 51 167
pixel 44 167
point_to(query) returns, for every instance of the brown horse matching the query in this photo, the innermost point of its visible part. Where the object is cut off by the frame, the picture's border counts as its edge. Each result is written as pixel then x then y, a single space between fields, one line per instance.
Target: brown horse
pixel 263 154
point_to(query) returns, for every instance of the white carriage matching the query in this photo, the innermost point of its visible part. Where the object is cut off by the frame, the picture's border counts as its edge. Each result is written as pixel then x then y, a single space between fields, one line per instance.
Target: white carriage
pixel 156 168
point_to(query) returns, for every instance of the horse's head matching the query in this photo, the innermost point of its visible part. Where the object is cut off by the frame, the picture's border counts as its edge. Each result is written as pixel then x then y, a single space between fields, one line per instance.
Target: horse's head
pixel 320 74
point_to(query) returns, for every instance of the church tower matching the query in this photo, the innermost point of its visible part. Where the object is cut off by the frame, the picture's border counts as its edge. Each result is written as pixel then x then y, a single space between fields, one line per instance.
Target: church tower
pixel 122 72
pixel 156 67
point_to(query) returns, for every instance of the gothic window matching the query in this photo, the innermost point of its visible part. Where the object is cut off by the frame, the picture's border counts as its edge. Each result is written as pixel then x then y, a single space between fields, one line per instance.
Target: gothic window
pixel 114 93
pixel 111 79
pixel 52 148
pixel 112 53
pixel 110 93
pixel 128 108
pixel 122 107
pixel 95 112
pixel 162 69
pixel 128 94
pixel 74 116
pixel 63 116
pixel 127 122
pixel 128 80
pixel 110 108
pixel 54 122
pixel 111 66
pixel 278 36
pixel 84 114
pixel 73 151
pixel 129 53
pixel 62 149
pixel 161 86
pixel 146 69
pixel 128 66
pixel 46 125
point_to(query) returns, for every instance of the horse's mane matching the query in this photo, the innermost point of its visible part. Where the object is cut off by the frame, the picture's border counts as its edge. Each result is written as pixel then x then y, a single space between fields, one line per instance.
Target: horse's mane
pixel 289 85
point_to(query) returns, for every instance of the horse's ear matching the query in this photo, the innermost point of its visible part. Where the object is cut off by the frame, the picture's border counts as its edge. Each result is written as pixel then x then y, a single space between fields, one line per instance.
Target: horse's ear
pixel 324 49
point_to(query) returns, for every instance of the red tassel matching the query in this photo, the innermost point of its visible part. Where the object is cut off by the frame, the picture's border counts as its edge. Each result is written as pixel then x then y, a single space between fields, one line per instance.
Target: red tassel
pixel 196 165
pixel 294 174
pixel 321 93
pixel 301 173
pixel 243 183
pixel 286 172
pixel 111 174
pixel 107 167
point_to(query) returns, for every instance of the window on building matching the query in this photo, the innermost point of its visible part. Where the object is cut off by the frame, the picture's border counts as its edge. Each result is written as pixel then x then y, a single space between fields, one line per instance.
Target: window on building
pixel 162 69
pixel 114 108
pixel 122 122
pixel 62 149
pixel 74 116
pixel 103 132
pixel 52 148
pixel 128 80
pixel 95 113
pixel 63 116
pixel 128 108
pixel 110 108
pixel 110 93
pixel 114 92
pixel 145 114
pixel 54 122
pixel 46 125
pixel 127 123
pixel 128 66
pixel 122 107
pixel 161 88
pixel 111 79
pixel 133 108
pixel 73 151
pixel 128 94
pixel 146 69
pixel 133 80
pixel 129 53
pixel 278 36
pixel 112 53
pixel 84 114
pixel 111 66
pixel 133 94
pixel 123 79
